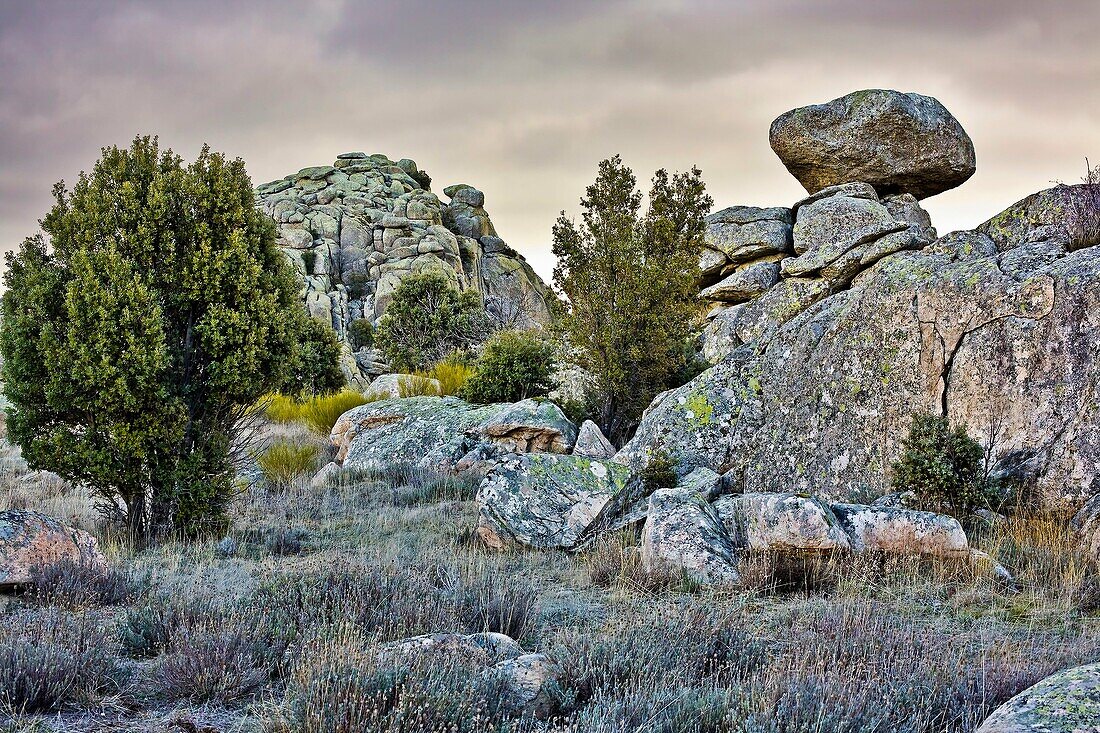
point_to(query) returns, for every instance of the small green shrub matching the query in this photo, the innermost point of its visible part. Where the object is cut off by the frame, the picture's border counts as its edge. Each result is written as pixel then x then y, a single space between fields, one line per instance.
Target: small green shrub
pixel 452 376
pixel 321 412
pixel 417 385
pixel 285 461
pixel 309 260
pixel 512 366
pixel 659 473
pixel 361 333
pixel 281 408
pixel 942 466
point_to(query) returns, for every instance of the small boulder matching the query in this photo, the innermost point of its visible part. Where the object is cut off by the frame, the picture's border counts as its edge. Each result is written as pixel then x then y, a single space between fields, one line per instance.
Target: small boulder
pixel 483 650
pixel 532 425
pixel 591 442
pixel 527 685
pixel 904 531
pixel 1066 702
pixel 327 476
pixel 744 233
pixel 683 531
pixel 544 500
pixel 30 540
pixel 781 521
pixel 899 143
pixel 745 283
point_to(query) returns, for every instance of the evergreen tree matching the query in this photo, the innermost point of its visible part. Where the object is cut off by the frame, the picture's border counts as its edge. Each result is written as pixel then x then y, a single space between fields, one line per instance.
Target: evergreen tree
pixel 137 337
pixel 632 286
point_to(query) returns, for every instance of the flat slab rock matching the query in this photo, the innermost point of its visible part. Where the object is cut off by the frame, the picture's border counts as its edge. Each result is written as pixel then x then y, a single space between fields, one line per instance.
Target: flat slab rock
pixel 1066 702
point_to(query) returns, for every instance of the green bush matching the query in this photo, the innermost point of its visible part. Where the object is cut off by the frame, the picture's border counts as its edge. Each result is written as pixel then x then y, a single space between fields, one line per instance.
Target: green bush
pixel 659 473
pixel 309 260
pixel 417 385
pixel 361 333
pixel 452 376
pixel 427 320
pixel 319 412
pixel 942 466
pixel 513 365
pixel 285 461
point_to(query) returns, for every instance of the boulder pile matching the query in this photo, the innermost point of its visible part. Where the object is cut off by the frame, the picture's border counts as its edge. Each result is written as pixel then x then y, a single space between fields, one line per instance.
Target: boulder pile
pixel 354 230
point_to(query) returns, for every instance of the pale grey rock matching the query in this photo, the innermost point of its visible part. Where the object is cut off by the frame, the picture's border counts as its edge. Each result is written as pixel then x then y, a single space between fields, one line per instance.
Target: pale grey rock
pixel 591 442
pixel 719 335
pixel 746 282
pixel 899 143
pixel 830 227
pixel 767 521
pixel 532 425
pixel 545 500
pixel 749 214
pixel 750 240
pixel 855 190
pixel 904 531
pixel 328 475
pixel 1066 702
pixel 684 532
pixel 528 686
pixel 1064 213
pixel 763 317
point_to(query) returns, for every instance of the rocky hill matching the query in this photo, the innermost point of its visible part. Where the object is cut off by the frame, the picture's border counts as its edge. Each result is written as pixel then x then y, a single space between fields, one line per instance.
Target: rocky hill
pixel 356 228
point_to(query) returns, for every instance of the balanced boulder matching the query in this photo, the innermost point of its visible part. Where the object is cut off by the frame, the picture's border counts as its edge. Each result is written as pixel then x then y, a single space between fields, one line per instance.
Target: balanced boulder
pixel 897 142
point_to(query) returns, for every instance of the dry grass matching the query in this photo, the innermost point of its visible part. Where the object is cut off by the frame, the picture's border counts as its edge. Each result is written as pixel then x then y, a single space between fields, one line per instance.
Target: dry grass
pixel 319 412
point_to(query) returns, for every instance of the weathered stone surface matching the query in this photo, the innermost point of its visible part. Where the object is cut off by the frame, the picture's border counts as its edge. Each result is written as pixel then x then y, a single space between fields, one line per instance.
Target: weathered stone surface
pixel 1066 702
pixel 899 143
pixel 528 685
pixel 544 500
pixel 29 541
pixel 327 476
pixel 749 214
pixel 483 650
pixel 822 395
pixel 370 222
pixel 684 532
pixel 781 522
pixel 1061 213
pixel 855 190
pixel 748 281
pixel 591 442
pixel 907 531
pixel 830 227
pixel 533 425
pixel 749 241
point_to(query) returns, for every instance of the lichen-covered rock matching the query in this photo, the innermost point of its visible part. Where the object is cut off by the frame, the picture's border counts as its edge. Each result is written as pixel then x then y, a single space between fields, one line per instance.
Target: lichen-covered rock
pixel 528 685
pixel 532 425
pixel 355 230
pixel 745 282
pixel 482 650
pixel 544 500
pixel 899 143
pixel 906 531
pixel 684 532
pixel 1062 214
pixel 591 442
pixel 30 541
pixel 781 522
pixel 439 432
pixel 1066 702
pixel 749 233
pixel 820 385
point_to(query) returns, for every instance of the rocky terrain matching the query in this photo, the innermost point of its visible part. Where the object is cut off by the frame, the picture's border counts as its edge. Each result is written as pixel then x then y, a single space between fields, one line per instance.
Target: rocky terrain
pixel 356 228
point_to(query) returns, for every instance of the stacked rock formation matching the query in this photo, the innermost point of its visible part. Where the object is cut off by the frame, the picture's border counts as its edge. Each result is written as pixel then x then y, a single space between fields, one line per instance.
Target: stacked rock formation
pixel 357 228
pixel 834 321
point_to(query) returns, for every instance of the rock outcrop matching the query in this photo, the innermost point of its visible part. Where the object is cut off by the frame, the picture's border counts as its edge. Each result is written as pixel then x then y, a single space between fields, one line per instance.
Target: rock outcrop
pixel 30 541
pixel 446 433
pixel 1066 702
pixel 898 143
pixel 356 229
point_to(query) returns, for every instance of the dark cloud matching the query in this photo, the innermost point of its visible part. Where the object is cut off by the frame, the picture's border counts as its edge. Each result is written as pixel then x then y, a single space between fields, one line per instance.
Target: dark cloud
pixel 523 97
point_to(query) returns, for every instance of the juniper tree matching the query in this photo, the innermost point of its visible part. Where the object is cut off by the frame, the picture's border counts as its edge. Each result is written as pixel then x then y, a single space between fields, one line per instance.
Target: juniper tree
pixel 143 325
pixel 631 281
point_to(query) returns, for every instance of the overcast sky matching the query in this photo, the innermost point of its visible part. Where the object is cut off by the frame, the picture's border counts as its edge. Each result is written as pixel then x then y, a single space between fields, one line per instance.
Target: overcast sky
pixel 521 98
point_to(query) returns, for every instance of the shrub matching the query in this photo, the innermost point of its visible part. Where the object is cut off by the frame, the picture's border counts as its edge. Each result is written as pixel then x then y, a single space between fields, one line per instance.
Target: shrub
pixel 512 366
pixel 452 376
pixel 53 659
pixel 361 333
pixel 427 320
pixel 417 385
pixel 309 260
pixel 285 461
pixel 321 412
pixel 224 665
pixel 500 607
pixel 942 467
pixel 659 473
pixel 280 408
pixel 80 585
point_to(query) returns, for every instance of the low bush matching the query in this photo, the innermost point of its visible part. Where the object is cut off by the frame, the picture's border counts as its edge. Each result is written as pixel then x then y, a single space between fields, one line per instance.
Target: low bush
pixel 417 385
pixel 942 466
pixel 321 412
pixel 452 376
pixel 361 333
pixel 280 408
pixel 52 659
pixel 284 462
pixel 502 607
pixel 224 665
pixel 76 585
pixel 512 366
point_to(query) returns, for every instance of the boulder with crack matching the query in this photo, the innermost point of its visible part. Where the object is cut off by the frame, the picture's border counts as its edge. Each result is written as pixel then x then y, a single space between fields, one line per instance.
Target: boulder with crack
pixel 30 541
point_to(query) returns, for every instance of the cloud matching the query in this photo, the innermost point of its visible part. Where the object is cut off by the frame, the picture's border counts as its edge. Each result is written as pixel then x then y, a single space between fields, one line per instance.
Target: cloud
pixel 522 98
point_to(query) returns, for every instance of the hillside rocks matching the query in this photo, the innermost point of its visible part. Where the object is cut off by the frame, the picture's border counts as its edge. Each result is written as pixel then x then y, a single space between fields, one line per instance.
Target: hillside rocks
pixel 440 433
pixel 356 229
pixel 1066 702
pixel 543 500
pixel 29 541
pixel 816 380
pixel 591 442
pixel 898 143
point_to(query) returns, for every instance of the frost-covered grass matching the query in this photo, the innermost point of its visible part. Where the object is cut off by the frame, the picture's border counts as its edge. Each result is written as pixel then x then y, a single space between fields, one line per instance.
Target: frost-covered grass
pixel 282 634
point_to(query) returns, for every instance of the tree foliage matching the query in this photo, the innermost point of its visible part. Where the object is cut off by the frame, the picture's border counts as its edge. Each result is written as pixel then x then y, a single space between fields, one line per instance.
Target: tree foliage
pixel 512 366
pixel 943 467
pixel 427 320
pixel 138 335
pixel 631 280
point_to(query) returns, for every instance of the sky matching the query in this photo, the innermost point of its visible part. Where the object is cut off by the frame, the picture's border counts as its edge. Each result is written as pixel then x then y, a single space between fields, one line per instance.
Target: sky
pixel 522 98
